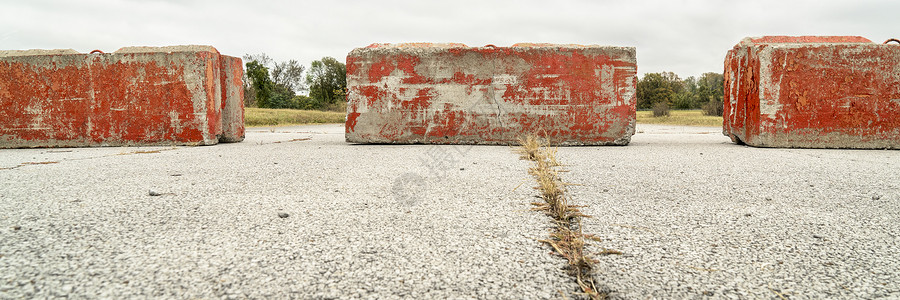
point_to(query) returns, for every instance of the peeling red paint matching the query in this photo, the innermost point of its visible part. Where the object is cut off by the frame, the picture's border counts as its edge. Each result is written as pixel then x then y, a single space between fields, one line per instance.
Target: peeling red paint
pixel 421 101
pixel 379 70
pixel 427 93
pixel 65 100
pixel 351 120
pixel 816 93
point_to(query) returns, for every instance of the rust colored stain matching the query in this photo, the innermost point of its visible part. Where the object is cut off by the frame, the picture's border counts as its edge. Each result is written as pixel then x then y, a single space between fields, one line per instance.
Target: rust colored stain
pixel 71 100
pixel 452 94
pixel 813 94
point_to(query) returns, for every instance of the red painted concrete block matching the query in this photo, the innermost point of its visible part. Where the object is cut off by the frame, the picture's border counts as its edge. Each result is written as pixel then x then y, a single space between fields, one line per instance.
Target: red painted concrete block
pixel 184 95
pixel 454 94
pixel 813 92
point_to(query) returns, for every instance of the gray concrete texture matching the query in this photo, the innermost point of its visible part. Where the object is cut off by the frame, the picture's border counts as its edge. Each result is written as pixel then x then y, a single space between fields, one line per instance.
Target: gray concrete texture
pixel 297 212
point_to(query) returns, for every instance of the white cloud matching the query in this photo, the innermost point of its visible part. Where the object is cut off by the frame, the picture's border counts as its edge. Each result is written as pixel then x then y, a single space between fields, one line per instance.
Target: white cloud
pixel 687 37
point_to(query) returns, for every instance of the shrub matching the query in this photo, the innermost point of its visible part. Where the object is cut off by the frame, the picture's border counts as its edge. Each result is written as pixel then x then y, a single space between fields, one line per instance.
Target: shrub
pixel 713 108
pixel 660 109
pixel 339 106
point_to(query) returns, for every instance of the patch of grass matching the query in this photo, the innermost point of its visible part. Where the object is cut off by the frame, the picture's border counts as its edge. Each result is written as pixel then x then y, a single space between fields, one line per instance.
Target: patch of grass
pixel 566 238
pixel 680 117
pixel 280 117
pixel 528 148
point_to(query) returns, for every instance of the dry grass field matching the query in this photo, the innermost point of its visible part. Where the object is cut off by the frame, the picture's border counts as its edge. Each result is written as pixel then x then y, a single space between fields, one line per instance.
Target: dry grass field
pixel 281 117
pixel 680 117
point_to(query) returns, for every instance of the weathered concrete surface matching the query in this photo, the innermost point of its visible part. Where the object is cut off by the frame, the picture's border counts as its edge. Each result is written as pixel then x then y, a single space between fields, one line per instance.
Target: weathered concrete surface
pixel 233 100
pixel 454 94
pixel 813 92
pixel 695 216
pixel 185 95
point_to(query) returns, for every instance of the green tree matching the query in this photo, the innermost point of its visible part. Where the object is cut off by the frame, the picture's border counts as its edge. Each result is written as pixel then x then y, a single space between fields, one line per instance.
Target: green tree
pixel 710 87
pixel 327 80
pixel 658 87
pixel 687 98
pixel 260 86
pixel 711 93
pixel 289 76
pixel 273 84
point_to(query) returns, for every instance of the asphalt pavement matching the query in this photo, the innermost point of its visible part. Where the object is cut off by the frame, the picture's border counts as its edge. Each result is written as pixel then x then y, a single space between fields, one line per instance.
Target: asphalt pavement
pixel 295 212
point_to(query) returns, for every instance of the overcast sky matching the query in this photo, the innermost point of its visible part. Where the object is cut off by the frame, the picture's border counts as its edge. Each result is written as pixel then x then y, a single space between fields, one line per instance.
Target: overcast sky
pixel 685 37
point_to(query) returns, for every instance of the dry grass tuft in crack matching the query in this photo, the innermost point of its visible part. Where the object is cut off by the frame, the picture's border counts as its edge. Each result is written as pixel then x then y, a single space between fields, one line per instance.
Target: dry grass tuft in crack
pixel 566 238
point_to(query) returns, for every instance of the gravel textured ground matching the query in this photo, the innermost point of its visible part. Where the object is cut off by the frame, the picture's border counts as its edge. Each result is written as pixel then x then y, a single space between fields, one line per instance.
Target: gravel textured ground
pixel 296 212
pixel 697 216
pixel 362 221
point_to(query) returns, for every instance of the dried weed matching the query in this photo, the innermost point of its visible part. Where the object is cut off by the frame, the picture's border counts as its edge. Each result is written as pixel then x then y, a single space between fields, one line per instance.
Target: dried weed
pixel 566 238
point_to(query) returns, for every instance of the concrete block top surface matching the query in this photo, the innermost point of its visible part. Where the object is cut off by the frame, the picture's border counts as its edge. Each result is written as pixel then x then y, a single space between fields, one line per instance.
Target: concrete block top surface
pixel 416 45
pixel 167 49
pixel 36 52
pixel 123 50
pixel 780 39
pixel 440 47
pixel 461 45
pixel 454 94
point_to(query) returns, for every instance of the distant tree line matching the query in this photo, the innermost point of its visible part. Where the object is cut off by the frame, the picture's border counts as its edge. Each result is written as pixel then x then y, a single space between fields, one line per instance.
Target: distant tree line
pixel 274 84
pixel 662 91
pixel 282 84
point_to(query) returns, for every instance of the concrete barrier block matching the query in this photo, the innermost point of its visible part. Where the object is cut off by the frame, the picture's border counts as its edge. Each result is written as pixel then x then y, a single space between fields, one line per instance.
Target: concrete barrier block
pixel 813 92
pixel 134 96
pixel 454 94
pixel 233 102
